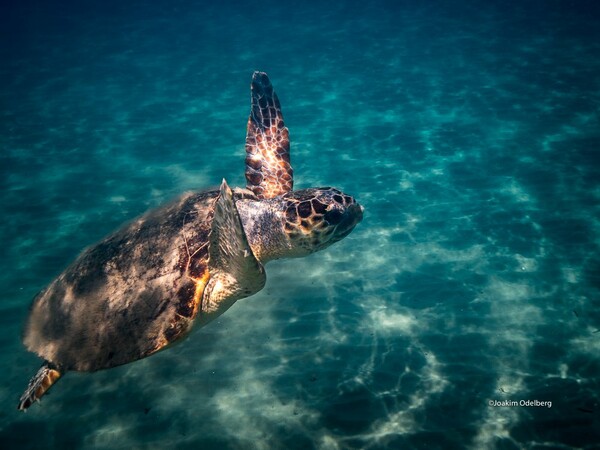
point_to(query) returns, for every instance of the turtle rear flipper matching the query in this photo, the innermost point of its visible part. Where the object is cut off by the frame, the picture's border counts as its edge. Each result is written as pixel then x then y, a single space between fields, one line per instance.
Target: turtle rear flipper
pixel 39 384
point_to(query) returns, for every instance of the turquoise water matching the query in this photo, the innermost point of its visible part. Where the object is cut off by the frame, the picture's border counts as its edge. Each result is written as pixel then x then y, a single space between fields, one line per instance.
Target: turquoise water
pixel 470 133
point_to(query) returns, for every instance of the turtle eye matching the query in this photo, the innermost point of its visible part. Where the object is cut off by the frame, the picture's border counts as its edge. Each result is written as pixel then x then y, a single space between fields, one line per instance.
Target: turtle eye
pixel 333 217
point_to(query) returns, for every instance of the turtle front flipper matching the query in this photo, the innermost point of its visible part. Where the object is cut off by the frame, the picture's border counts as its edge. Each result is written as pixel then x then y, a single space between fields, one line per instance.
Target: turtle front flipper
pixel 234 270
pixel 268 169
pixel 39 385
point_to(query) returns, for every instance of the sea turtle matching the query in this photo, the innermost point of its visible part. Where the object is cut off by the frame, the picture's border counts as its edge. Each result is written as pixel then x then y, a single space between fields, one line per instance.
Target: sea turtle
pixel 183 264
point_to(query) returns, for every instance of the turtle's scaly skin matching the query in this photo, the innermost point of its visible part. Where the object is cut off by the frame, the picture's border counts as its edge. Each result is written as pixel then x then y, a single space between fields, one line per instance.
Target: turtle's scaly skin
pixel 268 169
pixel 183 264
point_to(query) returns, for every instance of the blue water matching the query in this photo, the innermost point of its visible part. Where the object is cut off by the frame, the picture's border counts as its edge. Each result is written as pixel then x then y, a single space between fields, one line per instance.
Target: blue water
pixel 469 131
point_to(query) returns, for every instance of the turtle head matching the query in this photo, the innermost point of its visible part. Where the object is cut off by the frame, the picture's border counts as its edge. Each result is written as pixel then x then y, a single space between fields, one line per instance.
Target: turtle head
pixel 315 218
pixel 296 223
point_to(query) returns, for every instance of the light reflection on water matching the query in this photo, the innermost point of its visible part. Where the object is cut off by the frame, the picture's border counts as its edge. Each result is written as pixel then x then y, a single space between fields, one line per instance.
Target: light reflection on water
pixel 473 276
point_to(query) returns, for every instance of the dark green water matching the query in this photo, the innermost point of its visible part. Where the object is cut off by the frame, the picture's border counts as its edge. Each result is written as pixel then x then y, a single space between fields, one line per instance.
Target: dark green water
pixel 468 130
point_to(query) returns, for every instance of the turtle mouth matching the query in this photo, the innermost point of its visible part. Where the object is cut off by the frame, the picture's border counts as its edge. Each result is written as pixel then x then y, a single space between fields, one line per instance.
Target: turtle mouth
pixel 352 216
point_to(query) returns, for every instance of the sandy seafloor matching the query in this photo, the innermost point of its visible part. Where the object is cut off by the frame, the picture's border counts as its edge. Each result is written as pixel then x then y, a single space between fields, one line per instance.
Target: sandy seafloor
pixel 469 131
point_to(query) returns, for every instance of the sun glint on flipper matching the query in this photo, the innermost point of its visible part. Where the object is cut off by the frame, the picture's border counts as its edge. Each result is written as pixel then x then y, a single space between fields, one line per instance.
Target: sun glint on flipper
pixel 268 169
pixel 39 384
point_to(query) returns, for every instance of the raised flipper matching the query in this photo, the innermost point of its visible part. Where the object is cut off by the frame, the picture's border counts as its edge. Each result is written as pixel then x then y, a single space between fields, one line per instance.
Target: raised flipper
pixel 234 270
pixel 268 169
pixel 39 385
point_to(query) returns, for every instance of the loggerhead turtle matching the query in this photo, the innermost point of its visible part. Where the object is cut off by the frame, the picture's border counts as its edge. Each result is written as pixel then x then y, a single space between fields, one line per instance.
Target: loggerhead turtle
pixel 183 264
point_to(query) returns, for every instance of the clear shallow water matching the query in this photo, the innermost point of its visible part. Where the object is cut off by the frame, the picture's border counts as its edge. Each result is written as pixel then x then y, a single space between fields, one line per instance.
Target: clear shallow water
pixel 469 133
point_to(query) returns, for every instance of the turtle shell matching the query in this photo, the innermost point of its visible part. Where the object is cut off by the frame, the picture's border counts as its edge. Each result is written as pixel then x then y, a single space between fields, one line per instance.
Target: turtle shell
pixel 131 294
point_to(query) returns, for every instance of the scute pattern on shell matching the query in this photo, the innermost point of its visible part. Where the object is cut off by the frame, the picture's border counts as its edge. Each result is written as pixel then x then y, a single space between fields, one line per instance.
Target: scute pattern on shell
pixel 124 299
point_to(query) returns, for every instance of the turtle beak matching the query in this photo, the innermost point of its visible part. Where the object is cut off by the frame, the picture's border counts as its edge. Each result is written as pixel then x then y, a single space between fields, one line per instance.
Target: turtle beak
pixel 356 210
pixel 352 216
